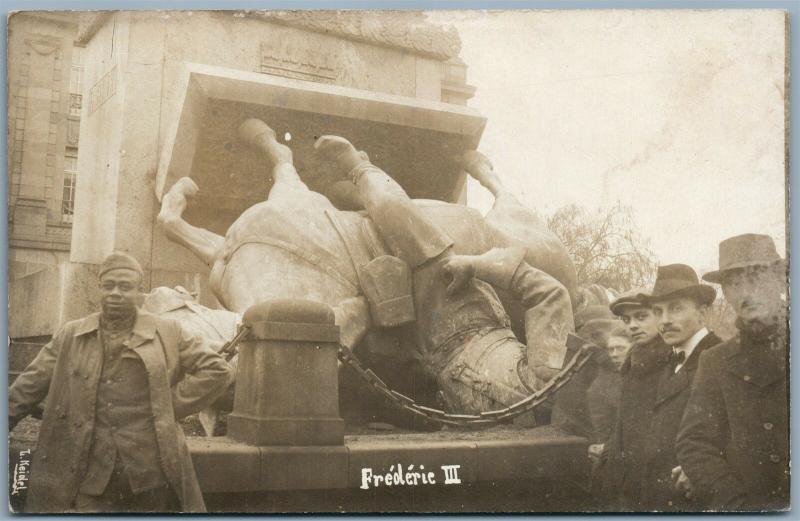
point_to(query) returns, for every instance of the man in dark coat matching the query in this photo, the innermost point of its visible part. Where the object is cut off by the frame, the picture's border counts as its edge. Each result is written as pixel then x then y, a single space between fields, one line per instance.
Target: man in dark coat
pixel 680 304
pixel 625 450
pixel 734 440
pixel 115 382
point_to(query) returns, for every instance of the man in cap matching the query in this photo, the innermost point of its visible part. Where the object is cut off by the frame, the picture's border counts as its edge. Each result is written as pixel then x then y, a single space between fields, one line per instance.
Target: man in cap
pixel 627 450
pixel 734 440
pixel 115 383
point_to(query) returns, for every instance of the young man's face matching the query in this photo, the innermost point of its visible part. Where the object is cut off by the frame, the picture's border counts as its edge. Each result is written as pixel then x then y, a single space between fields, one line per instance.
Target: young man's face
pixel 119 292
pixel 679 319
pixel 641 323
pixel 756 293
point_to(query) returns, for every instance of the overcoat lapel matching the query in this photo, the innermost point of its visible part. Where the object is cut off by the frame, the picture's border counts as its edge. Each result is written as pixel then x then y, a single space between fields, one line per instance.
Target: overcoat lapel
pixel 671 383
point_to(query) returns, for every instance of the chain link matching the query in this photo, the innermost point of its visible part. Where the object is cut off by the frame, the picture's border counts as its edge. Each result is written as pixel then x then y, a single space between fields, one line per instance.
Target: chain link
pixel 401 401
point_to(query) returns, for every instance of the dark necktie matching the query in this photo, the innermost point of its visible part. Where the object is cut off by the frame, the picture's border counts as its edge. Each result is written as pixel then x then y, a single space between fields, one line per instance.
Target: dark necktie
pixel 677 358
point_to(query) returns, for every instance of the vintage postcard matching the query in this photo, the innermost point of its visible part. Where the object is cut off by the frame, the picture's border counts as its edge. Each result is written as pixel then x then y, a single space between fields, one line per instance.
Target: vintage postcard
pixel 398 261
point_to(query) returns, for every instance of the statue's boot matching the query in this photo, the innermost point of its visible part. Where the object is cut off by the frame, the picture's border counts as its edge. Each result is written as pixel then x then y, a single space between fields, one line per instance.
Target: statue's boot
pixel 341 156
pixel 407 231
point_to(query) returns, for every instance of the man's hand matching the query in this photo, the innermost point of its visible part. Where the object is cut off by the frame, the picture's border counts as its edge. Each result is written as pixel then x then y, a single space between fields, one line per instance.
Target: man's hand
pixel 596 451
pixel 681 482
pixel 458 270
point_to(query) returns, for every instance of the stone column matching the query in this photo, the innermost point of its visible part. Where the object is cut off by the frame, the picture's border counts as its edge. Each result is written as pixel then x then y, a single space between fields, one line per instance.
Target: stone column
pixel 287 387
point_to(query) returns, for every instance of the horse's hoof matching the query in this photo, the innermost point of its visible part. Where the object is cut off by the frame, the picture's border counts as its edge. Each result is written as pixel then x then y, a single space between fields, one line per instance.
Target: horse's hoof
pixel 252 129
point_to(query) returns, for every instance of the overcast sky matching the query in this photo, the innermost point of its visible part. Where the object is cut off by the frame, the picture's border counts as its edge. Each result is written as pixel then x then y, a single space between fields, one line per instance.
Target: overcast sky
pixel 678 114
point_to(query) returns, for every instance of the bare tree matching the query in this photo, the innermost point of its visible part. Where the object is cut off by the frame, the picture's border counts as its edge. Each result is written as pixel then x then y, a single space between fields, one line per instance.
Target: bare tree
pixel 606 246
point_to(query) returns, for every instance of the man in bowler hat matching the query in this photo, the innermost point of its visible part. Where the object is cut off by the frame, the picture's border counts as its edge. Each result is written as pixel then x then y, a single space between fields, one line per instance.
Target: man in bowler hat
pixel 116 382
pixel 734 439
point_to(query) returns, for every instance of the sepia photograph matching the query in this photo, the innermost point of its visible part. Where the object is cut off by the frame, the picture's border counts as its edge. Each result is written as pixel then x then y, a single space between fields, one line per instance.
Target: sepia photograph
pixel 398 261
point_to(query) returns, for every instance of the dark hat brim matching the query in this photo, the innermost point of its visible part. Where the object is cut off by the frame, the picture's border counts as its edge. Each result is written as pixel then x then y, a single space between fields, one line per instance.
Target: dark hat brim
pixel 703 293
pixel 716 276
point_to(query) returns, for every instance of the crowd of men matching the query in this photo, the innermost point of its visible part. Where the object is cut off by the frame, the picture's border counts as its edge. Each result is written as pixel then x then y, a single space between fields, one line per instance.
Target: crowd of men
pixel 698 423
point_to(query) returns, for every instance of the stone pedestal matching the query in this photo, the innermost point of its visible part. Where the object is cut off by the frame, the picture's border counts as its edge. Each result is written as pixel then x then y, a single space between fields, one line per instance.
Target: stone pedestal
pixel 287 390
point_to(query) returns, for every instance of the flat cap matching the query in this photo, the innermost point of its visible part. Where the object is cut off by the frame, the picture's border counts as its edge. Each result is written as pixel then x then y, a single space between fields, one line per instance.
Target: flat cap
pixel 119 260
pixel 635 297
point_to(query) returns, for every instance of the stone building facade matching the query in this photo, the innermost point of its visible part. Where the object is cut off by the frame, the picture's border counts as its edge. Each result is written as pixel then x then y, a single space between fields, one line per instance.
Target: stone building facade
pixel 44 103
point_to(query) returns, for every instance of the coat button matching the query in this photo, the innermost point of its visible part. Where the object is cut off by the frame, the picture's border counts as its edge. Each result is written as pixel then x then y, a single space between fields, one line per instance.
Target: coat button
pixel 774 458
pixel 768 426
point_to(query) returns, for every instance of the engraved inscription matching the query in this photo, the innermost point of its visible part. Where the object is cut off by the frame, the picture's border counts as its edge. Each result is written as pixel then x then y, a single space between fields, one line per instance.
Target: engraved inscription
pixel 294 62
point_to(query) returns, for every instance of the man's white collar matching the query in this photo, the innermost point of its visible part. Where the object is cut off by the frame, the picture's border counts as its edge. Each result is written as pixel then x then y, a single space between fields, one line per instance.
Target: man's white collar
pixel 689 345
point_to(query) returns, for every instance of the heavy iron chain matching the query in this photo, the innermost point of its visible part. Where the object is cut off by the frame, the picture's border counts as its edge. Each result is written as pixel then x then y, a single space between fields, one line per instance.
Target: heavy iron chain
pixel 488 418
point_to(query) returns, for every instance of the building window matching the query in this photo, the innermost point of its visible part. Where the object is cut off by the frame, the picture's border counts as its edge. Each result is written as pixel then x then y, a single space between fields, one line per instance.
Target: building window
pixel 76 82
pixel 68 195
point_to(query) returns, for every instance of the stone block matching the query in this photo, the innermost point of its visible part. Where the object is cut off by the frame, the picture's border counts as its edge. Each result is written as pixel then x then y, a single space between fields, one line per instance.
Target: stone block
pixel 429 79
pixel 287 384
pixel 34 309
pixel 303 468
pixel 222 465
pixel 540 453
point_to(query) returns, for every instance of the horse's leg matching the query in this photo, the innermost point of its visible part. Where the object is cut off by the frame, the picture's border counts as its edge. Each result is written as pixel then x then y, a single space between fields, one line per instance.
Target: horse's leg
pixel 287 186
pixel 201 242
pixel 514 224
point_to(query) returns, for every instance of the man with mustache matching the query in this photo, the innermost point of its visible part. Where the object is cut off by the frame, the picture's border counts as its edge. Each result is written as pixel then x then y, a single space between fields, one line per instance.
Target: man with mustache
pixel 734 439
pixel 680 306
pixel 624 486
pixel 116 383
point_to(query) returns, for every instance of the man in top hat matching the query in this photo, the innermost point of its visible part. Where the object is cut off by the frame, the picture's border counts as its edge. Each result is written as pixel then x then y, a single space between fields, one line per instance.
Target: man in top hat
pixel 116 382
pixel 734 440
pixel 626 452
pixel 680 304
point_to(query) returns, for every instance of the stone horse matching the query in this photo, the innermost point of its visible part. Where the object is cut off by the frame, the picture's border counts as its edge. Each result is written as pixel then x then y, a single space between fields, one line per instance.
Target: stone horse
pixel 298 244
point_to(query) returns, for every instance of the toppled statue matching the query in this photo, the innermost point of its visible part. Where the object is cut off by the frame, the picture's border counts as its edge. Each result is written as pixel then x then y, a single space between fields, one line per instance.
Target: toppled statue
pixel 451 274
